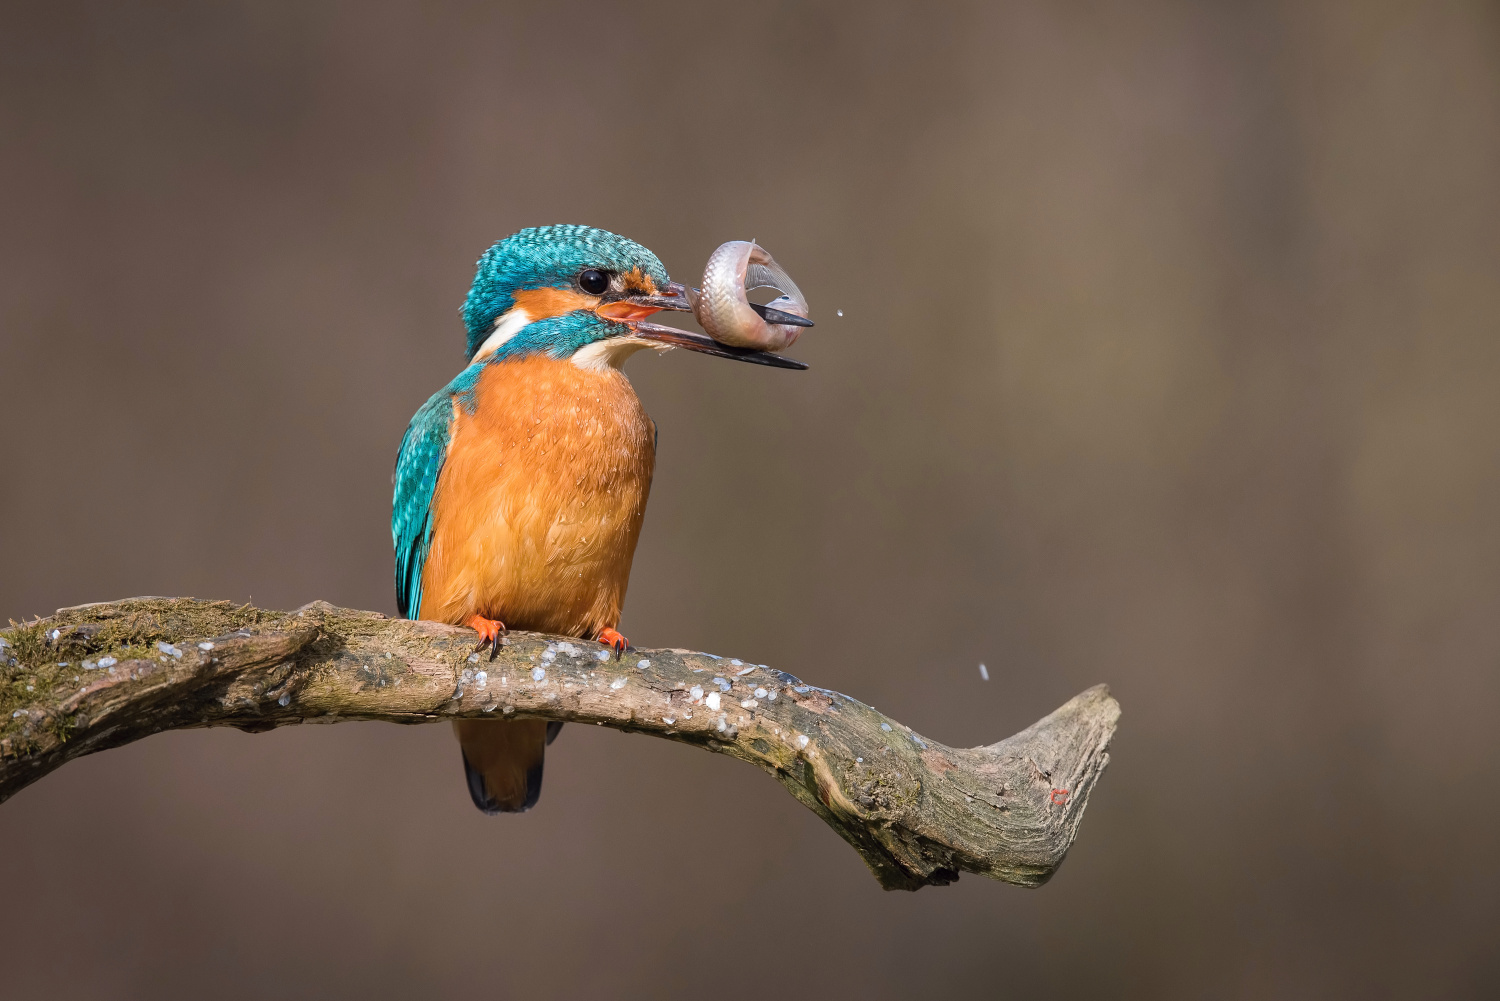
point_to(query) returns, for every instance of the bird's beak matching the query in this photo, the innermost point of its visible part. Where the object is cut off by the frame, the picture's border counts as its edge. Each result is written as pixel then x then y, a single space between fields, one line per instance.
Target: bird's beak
pixel 632 310
pixel 702 343
pixel 624 307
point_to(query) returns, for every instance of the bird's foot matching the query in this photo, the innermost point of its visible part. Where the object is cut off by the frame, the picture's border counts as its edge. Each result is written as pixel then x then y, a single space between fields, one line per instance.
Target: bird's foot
pixel 611 638
pixel 489 630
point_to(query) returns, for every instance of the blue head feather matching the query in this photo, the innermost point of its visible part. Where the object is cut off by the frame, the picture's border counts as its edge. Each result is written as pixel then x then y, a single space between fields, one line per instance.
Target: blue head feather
pixel 549 257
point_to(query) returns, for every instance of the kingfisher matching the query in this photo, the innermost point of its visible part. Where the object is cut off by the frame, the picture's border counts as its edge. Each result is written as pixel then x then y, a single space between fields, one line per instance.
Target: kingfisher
pixel 521 486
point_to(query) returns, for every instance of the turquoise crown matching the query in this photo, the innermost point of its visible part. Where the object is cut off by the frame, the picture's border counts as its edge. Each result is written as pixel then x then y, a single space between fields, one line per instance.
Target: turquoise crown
pixel 546 257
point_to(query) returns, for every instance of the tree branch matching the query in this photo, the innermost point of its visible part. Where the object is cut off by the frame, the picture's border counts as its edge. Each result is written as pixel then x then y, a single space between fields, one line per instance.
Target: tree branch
pixel 98 676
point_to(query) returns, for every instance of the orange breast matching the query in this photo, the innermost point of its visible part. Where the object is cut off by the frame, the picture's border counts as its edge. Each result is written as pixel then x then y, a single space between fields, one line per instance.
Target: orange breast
pixel 539 504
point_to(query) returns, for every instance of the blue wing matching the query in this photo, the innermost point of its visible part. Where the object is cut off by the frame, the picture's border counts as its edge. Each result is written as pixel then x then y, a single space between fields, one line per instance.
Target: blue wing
pixel 423 449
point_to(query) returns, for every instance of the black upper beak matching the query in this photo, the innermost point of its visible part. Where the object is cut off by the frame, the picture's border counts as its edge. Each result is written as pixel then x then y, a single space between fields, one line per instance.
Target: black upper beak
pixel 671 296
pixel 707 345
pixel 676 294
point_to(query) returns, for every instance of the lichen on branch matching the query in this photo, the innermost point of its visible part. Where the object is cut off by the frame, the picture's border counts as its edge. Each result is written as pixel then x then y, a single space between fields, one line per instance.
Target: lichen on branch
pixel 97 676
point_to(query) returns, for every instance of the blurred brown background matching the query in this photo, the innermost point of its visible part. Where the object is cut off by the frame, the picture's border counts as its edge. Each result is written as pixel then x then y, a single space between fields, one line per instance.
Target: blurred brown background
pixel 1169 358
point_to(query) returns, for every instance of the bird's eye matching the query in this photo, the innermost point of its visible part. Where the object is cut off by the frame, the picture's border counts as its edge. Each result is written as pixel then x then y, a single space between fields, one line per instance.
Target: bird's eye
pixel 593 282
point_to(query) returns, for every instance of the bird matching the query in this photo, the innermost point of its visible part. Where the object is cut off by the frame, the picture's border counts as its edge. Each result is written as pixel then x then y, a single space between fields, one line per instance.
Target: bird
pixel 521 486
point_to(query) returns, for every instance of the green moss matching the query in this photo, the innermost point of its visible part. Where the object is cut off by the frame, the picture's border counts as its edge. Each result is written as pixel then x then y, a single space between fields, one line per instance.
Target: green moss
pixel 125 630
pixel 29 680
pixel 62 726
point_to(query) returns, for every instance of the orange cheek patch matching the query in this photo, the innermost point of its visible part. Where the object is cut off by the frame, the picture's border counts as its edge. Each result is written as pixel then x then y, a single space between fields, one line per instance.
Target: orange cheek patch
pixel 541 303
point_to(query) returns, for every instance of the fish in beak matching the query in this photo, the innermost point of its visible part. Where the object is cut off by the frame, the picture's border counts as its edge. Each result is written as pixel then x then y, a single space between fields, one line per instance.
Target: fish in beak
pixel 632 309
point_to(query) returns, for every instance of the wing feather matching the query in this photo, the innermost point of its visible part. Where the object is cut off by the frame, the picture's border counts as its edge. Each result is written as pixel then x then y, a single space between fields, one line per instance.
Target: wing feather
pixel 423 450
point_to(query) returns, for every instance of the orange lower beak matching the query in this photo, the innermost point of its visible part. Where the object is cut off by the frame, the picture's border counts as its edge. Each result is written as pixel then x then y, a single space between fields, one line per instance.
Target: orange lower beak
pixel 624 310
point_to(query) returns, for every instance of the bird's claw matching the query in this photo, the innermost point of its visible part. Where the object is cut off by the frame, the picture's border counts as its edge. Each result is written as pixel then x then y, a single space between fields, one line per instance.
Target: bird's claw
pixel 489 630
pixel 611 638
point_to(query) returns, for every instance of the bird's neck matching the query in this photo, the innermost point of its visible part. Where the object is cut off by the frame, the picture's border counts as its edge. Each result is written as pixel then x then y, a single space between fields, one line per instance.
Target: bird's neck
pixel 573 336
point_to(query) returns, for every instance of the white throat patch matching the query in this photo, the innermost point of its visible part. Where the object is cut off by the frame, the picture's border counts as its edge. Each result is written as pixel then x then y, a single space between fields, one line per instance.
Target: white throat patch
pixel 507 325
pixel 600 356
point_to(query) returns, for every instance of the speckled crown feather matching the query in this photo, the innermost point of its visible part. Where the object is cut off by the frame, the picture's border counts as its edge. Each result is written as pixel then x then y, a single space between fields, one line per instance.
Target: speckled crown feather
pixel 546 257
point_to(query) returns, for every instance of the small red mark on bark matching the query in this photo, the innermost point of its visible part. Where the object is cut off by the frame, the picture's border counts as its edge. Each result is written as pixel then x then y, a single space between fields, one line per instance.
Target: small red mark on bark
pixel 1059 797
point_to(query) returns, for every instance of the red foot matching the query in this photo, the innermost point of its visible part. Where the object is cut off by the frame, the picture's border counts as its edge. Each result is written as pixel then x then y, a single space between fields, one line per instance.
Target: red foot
pixel 489 630
pixel 612 639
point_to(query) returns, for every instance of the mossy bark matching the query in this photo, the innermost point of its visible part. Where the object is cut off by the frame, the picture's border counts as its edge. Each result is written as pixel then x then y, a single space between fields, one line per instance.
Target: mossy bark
pixel 918 812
